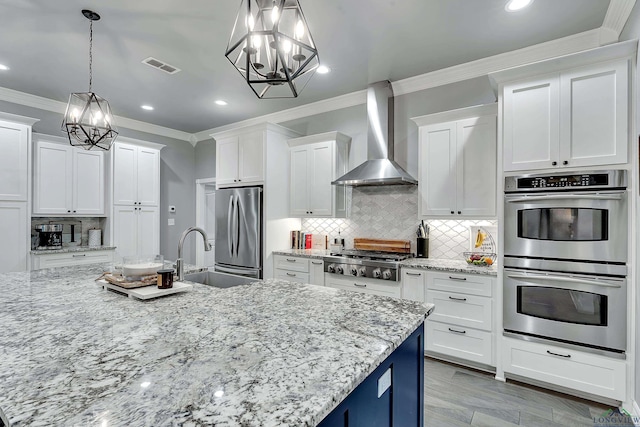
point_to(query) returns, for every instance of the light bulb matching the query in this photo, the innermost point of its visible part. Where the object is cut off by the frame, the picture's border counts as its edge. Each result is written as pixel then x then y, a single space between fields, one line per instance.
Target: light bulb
pixel 286 46
pixel 256 41
pixel 274 13
pixel 74 115
pixel 299 29
pixel 250 22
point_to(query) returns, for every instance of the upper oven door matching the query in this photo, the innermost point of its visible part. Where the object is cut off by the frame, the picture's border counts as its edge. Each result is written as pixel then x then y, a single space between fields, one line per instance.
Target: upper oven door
pixel 589 226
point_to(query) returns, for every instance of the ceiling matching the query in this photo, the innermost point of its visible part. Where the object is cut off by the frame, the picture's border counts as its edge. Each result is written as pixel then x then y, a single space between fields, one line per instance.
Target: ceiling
pixel 45 44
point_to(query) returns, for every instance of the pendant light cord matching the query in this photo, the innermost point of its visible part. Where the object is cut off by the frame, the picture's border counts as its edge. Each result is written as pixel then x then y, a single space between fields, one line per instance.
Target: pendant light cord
pixel 90 54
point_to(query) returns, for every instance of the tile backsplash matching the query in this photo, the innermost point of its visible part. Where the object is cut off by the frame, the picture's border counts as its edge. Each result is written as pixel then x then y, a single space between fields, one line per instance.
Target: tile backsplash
pixel 391 212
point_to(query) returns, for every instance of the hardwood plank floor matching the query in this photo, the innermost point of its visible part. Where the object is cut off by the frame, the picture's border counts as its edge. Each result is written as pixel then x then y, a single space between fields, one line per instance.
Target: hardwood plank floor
pixel 458 396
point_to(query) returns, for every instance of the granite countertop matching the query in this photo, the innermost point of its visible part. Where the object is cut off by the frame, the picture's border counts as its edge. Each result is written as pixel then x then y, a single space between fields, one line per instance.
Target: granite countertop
pixel 72 249
pixel 449 265
pixel 273 353
pixel 305 253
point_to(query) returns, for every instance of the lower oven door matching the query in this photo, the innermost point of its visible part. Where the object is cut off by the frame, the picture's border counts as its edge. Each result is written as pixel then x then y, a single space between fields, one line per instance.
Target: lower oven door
pixel 579 309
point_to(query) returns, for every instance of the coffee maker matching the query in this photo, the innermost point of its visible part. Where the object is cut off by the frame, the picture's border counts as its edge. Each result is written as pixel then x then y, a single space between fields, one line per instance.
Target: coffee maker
pixel 49 236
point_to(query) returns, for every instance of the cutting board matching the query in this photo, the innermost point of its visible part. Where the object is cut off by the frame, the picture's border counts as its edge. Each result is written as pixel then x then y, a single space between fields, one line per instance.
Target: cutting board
pixel 146 292
pixel 385 245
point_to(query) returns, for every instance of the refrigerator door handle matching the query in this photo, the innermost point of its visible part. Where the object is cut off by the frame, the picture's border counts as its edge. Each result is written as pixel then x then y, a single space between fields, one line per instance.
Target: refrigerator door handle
pixel 229 216
pixel 239 216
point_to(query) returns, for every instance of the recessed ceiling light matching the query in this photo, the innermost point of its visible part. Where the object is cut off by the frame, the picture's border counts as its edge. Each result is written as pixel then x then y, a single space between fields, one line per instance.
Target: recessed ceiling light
pixel 147 107
pixel 323 69
pixel 515 5
pixel 221 102
pixel 3 67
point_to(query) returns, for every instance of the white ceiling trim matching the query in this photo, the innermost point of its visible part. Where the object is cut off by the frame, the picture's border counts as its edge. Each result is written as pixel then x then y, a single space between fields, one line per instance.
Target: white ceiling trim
pixel 34 101
pixel 617 15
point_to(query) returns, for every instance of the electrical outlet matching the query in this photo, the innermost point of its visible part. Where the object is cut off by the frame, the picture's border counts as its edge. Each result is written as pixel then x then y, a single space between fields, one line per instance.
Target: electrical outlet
pixel 172 221
pixel 172 209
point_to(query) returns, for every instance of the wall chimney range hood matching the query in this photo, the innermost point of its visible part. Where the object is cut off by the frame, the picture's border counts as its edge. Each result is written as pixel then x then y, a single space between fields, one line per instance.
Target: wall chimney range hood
pixel 380 168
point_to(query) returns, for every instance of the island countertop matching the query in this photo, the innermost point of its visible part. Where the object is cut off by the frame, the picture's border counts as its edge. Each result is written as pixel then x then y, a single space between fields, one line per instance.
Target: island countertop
pixel 273 353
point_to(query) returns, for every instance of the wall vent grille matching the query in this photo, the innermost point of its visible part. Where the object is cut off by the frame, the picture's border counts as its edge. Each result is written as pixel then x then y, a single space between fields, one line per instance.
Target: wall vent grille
pixel 163 66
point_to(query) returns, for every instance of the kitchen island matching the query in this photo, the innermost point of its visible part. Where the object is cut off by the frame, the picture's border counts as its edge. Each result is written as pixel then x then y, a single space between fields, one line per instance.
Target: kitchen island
pixel 272 353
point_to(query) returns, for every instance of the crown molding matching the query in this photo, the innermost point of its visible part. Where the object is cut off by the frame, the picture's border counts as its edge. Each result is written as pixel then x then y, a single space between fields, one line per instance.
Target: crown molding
pixel 34 101
pixel 29 121
pixel 617 15
pixel 459 114
pixel 324 106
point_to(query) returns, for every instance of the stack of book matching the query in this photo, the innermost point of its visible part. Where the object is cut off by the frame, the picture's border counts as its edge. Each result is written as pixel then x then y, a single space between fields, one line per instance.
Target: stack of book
pixel 303 240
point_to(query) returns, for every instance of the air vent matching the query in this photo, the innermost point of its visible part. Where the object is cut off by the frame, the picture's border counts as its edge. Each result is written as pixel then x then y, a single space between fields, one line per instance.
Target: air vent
pixel 153 62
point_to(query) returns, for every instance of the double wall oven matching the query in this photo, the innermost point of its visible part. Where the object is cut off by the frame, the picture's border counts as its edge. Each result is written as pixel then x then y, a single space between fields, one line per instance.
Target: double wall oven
pixel 565 263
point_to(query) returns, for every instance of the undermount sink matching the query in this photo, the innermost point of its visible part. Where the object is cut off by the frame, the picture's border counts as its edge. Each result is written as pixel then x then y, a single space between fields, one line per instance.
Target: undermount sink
pixel 218 280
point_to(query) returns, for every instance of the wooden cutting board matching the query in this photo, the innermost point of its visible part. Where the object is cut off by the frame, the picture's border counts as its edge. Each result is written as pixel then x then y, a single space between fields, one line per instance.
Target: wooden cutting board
pixel 385 245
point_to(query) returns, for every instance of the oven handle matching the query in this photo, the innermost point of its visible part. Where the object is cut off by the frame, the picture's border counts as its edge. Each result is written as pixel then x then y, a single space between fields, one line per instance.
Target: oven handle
pixel 562 279
pixel 614 196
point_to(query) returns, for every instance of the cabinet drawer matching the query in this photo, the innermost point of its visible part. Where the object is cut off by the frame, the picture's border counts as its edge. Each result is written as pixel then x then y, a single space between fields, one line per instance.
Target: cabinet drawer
pixel 291 263
pixel 367 286
pixel 470 284
pixel 71 258
pixel 585 372
pixel 461 310
pixel 458 341
pixel 292 276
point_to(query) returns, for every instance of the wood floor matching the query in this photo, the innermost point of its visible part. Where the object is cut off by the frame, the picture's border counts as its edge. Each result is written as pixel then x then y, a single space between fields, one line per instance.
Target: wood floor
pixel 456 396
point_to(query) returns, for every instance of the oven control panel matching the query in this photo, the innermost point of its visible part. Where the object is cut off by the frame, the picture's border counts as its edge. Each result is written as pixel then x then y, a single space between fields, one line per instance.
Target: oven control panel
pixel 560 181
pixel 358 270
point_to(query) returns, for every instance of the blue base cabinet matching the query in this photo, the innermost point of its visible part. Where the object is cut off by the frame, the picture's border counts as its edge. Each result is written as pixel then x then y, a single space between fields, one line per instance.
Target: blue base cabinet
pixel 400 405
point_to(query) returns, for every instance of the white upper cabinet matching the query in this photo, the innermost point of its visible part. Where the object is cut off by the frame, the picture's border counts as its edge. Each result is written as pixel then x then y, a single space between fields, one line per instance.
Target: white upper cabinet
pixel 14 160
pixel 457 167
pixel 240 160
pixel 570 112
pixel 136 175
pixel 315 161
pixel 67 180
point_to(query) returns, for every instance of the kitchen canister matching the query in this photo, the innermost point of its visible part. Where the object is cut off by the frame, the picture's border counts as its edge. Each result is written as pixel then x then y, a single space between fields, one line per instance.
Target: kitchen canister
pixel 95 237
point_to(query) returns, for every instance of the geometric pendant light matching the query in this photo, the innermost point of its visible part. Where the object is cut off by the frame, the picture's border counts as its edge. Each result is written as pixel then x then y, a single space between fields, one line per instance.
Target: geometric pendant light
pixel 272 48
pixel 88 120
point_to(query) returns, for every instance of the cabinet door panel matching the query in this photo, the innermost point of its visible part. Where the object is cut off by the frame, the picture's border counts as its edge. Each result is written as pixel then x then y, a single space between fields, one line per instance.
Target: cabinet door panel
pixel 125 173
pixel 476 166
pixel 437 172
pixel 531 124
pixel 594 111
pixel 13 251
pixel 251 165
pixel 298 204
pixel 148 231
pixel 13 161
pixel 226 161
pixel 88 182
pixel 316 275
pixel 147 176
pixel 53 176
pixel 125 230
pixel 413 285
pixel 322 170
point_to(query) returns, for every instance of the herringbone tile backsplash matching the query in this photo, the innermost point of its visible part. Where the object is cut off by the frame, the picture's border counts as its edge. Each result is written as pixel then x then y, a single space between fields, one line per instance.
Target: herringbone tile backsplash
pixel 391 212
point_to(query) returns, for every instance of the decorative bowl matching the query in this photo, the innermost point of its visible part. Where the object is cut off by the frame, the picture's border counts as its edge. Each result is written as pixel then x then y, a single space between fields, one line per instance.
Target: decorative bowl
pixel 481 259
pixel 141 265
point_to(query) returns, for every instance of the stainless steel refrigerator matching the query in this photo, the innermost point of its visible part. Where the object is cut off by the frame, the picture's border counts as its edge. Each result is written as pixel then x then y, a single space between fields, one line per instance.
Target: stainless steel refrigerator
pixel 239 231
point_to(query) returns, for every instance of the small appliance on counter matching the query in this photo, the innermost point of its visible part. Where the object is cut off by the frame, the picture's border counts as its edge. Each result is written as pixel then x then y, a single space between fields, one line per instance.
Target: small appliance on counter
pixel 49 236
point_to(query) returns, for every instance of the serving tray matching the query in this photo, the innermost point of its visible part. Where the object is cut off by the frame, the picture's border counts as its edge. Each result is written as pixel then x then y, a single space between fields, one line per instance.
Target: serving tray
pixel 146 292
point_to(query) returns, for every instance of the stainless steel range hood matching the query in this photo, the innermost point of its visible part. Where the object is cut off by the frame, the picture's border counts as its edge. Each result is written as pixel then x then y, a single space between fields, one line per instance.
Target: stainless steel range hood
pixel 380 168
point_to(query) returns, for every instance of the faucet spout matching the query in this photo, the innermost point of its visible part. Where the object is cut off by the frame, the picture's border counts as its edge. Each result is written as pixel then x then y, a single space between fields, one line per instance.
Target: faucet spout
pixel 179 262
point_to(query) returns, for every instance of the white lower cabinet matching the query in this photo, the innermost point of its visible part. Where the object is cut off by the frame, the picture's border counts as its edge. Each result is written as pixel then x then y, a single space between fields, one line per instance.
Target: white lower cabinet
pixel 462 323
pixel 13 251
pixel 41 261
pixel 299 269
pixel 589 373
pixel 385 288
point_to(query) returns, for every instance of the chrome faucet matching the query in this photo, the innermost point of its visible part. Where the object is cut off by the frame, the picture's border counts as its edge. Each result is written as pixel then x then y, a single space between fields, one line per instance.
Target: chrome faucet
pixel 179 262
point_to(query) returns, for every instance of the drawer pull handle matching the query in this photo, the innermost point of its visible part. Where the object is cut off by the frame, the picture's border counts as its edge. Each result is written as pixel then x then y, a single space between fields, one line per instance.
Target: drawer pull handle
pixel 458 278
pixel 77 256
pixel 316 263
pixel 457 299
pixel 359 285
pixel 457 332
pixel 291 260
pixel 413 274
pixel 557 354
pixel 291 274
